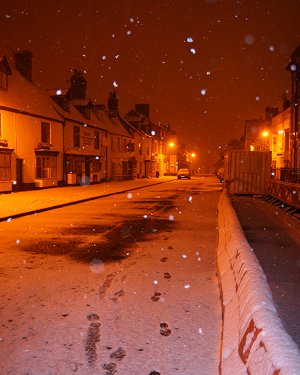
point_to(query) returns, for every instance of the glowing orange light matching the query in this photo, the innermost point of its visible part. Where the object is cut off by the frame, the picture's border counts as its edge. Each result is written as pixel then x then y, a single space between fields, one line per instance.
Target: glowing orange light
pixel 265 133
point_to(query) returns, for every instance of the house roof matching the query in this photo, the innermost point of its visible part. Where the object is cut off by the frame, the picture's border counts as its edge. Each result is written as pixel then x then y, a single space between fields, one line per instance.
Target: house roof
pixel 118 127
pixel 25 97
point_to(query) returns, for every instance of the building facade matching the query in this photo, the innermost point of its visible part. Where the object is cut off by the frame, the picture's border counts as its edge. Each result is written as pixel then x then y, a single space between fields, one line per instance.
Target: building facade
pixel 31 145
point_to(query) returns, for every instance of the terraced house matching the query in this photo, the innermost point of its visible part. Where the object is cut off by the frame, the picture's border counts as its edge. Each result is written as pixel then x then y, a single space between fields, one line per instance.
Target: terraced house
pixel 31 146
pixel 61 137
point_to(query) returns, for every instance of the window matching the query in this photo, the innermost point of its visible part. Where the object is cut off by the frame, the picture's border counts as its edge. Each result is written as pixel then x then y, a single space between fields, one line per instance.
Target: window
pixel 3 80
pixel 5 167
pixel 112 144
pixel 96 166
pixel 46 166
pixel 119 144
pixel 96 139
pixel 0 127
pixel 45 133
pixel 76 136
pixel 287 140
pixel 125 145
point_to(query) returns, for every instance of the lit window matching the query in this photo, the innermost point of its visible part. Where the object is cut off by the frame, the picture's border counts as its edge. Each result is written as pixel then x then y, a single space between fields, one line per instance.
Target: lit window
pixel 46 166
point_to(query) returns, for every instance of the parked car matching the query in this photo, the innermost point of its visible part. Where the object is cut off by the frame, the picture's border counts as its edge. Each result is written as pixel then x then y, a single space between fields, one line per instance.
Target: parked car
pixel 184 173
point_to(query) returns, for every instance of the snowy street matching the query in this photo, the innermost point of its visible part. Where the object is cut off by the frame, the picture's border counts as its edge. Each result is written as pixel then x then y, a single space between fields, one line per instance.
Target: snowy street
pixel 125 284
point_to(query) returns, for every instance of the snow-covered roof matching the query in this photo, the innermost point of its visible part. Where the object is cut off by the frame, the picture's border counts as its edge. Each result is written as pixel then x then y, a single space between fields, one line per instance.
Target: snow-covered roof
pixel 81 101
pixel 118 127
pixel 26 97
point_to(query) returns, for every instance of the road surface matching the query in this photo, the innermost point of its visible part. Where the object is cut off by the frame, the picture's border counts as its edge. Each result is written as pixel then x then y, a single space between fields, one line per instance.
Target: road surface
pixel 124 284
pixel 274 236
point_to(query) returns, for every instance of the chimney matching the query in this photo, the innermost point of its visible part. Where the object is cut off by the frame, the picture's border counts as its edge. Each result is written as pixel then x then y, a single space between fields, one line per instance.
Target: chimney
pixel 78 85
pixel 24 64
pixel 143 109
pixel 113 103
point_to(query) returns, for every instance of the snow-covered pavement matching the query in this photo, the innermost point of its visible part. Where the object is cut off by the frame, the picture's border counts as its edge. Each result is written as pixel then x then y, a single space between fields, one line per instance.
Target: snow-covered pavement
pixel 19 203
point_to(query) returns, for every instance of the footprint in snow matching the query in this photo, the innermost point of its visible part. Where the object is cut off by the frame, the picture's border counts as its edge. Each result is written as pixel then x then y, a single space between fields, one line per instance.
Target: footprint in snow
pixel 156 297
pixel 164 259
pixel 118 354
pixel 164 329
pixel 167 275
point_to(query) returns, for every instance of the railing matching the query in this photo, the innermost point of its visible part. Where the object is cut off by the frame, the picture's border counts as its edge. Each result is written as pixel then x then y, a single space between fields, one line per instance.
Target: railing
pixel 287 174
pixel 286 192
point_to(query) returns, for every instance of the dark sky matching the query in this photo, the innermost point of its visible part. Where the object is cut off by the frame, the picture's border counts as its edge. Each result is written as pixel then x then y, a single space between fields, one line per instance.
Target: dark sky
pixel 204 66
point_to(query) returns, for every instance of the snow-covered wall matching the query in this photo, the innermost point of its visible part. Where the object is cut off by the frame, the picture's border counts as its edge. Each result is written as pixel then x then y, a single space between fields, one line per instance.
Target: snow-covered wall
pixel 254 341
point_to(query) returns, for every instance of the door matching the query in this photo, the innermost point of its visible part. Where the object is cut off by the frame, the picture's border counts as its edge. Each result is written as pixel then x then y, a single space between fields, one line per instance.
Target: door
pixel 19 174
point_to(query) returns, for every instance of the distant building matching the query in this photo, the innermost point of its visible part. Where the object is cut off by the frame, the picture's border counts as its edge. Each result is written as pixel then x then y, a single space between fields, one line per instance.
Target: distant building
pixel 280 148
pixel 155 160
pixel 294 68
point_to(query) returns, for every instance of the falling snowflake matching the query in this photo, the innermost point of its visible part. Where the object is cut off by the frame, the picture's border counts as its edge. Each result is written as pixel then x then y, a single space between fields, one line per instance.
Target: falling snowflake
pixel 271 48
pixel 249 39
pixel 58 92
pixel 129 195
pixel 17 242
pixel 128 32
pixel 152 132
pixel 155 282
pixel 193 51
pixel 200 331
pixel 293 67
pixel 187 286
pixel 184 256
pixel 203 92
pixel 189 40
pixel 257 98
pixel 115 84
pixel 171 217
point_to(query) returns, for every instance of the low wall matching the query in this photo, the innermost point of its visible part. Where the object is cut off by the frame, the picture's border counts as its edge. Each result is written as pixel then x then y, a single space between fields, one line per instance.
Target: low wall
pixel 254 341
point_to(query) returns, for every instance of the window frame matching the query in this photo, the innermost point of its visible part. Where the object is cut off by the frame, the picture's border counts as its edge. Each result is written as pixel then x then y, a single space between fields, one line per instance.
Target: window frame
pixel 46 166
pixel 76 136
pixel 5 166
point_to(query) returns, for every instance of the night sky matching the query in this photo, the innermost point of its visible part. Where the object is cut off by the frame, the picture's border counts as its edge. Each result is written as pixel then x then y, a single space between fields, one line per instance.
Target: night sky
pixel 204 66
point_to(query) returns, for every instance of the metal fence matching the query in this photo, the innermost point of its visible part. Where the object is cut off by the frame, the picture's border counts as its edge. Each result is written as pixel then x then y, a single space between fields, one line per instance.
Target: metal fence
pixel 286 192
pixel 287 174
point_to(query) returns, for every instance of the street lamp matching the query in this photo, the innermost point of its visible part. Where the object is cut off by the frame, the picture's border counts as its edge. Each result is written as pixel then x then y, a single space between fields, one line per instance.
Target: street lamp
pixel 265 144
